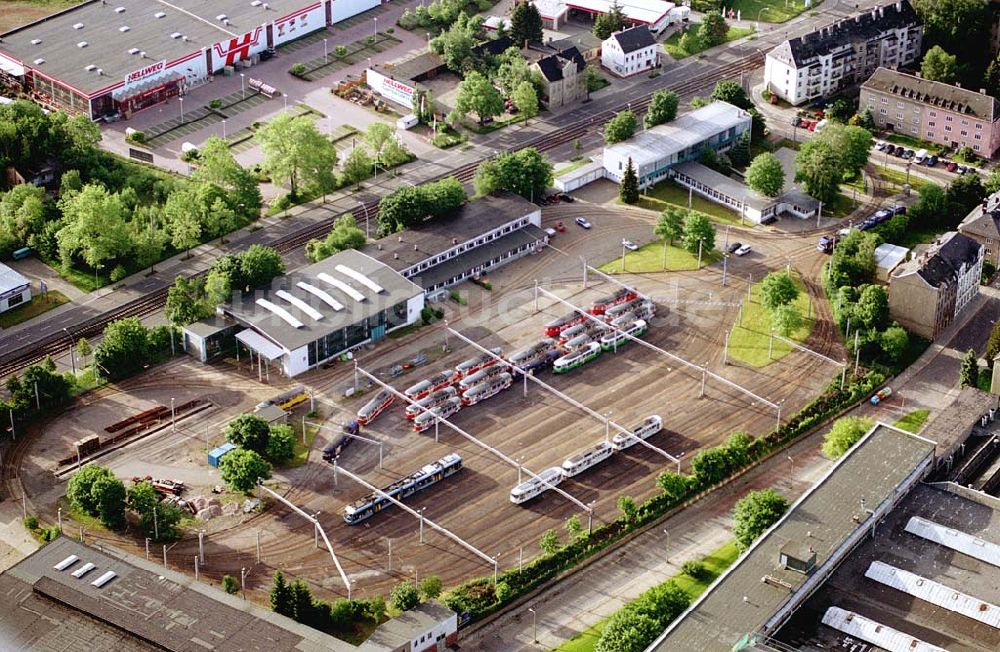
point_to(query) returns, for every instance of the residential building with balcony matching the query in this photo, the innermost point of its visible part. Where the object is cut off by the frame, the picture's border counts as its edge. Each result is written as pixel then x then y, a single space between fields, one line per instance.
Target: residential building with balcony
pixel 843 54
pixel 941 113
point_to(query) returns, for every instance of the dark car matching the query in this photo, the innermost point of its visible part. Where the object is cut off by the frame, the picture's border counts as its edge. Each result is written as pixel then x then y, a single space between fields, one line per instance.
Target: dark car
pixel 908 154
pixel 952 166
pixel 881 215
pixel 962 169
pixel 899 209
pixel 826 244
pixel 566 198
pixel 931 161
pixel 867 225
pixel 733 247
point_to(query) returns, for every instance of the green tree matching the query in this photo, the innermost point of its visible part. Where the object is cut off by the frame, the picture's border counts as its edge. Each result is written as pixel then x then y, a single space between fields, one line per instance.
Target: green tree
pixel 526 172
pixel 852 146
pixel 991 79
pixel 22 217
pixel 302 601
pixel 673 485
pixel 376 609
pixel 260 265
pixel 512 69
pixel 938 65
pixel 992 183
pixel 730 91
pixel 295 152
pixel 502 591
pixel 83 349
pixel 525 98
pixel 218 287
pixel 94 227
pixel 477 94
pixel 930 206
pixel 894 342
pixel 628 508
pixel 628 191
pixel 778 289
pixel 357 166
pixel 710 466
pixel 846 432
pixel 755 513
pixel 404 596
pixel 124 347
pixel 430 587
pixel 377 136
pixel 691 42
pixel 218 166
pixel 739 153
pixel 574 527
pixel 242 469
pixel 525 24
pixel 627 631
pixel 820 170
pixel 345 235
pixel 698 233
pixel 281 595
pixel 159 520
pixel 960 27
pixel 786 319
pixel 872 308
pixel 607 24
pixel 549 543
pixel 713 29
pixel 619 128
pixel 968 374
pixel 249 431
pixel 670 227
pixel 109 495
pixel 839 110
pixel 853 261
pixel 80 489
pixel 455 44
pixel 765 175
pixel 186 301
pixel 230 585
pixel 280 444
pixel 964 193
pixel 662 108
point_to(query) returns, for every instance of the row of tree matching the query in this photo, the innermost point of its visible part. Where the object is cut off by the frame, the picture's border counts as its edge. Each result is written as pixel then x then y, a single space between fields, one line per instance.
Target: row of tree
pixel 411 205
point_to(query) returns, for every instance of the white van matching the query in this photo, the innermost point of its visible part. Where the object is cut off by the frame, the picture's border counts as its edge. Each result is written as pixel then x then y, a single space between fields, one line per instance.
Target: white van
pixel 920 156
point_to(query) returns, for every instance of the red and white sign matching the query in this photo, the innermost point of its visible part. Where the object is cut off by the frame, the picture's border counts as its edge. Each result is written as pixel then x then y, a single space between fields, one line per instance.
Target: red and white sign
pixel 238 48
pixel 390 89
pixel 301 22
pixel 148 71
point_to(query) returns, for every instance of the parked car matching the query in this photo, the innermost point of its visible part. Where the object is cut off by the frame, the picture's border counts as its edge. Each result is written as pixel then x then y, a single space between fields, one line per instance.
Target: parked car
pixel 952 166
pixel 582 221
pixel 866 225
pixel 566 198
pixel 962 169
pixel 560 227
pixel 881 395
pixel 971 170
pixel 931 161
pixel 550 232
pixel 881 215
pixel 744 250
pixel 908 154
pixel 900 152
pixel 628 244
pixel 733 247
pixel 826 244
pixel 899 209
pixel 881 145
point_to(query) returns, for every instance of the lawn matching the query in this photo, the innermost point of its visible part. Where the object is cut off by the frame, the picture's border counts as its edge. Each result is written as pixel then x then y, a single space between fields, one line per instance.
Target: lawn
pixel 715 563
pixel 842 206
pixel 649 258
pixel 673 44
pixel 749 342
pixel 913 421
pixel 770 11
pixel 14 13
pixel 301 448
pixel 898 178
pixel 38 304
pixel 668 193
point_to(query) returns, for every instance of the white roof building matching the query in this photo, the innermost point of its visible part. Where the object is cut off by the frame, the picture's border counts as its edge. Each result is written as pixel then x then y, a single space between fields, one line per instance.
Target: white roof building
pixel 887 258
pixel 653 13
pixel 15 288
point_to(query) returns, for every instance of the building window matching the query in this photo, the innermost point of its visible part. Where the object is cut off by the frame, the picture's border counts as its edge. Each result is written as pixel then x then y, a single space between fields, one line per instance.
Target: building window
pixel 947 128
pixel 881 111
pixel 979 136
pixel 899 105
pixel 979 126
pixel 933 114
pixel 947 118
pixel 930 124
pixel 930 134
pixel 899 115
pixel 885 100
pixel 975 147
pixel 965 123
pixel 15 300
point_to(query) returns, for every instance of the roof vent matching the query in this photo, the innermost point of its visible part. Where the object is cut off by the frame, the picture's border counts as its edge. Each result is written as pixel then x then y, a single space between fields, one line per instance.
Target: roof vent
pixel 142 54
pixel 226 22
pixel 159 14
pixel 119 10
pixel 39 61
pixel 36 41
pixel 175 35
pixel 100 71
pixel 90 68
pixel 81 44
pixel 133 51
pixel 123 29
pixel 66 563
pixel 78 26
pixel 265 6
pixel 256 3
pixel 221 17
pixel 185 39
pixel 108 576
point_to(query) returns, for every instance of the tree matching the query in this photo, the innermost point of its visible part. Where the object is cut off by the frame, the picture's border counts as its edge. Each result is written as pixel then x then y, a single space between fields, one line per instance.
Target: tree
pixel 894 342
pixel 739 153
pixel 786 319
pixel 22 217
pixel 249 431
pixel 94 228
pixel 525 24
pixel 526 172
pixel 662 108
pixel 281 595
pixel 345 235
pixel 992 183
pixel 938 65
pixel 376 136
pixel 404 596
pixel 852 146
pixel 243 469
pixel 260 265
pixel 280 444
pixel 730 91
pixel 80 489
pixel 186 302
pixel 476 93
pixel 124 347
pixel 230 585
pixel 628 508
pixel 455 44
pixel 619 128
pixel 713 29
pixel 574 527
pixel 607 24
pixel 765 175
pixel 670 227
pixel 819 169
pixel 960 27
pixel 376 608
pixel 295 151
pixel 992 78
pixel 628 192
pixel 846 432
pixel 673 485
pixel 109 496
pixel 853 261
pixel 778 289
pixel 754 513
pixel 710 465
pixel 525 98
pixel 357 166
pixel 872 308
pixel 83 349
pixel 302 601
pixel 963 194
pixel 159 520
pixel 430 587
pixel 839 109
pixel 217 166
pixel 968 374
pixel 512 70
pixel 691 42
pixel 699 234
pixel 627 631
pixel 549 543
pixel 930 206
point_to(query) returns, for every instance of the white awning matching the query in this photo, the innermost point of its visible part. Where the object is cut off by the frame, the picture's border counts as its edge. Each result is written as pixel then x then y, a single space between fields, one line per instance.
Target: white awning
pixel 260 344
pixel 11 67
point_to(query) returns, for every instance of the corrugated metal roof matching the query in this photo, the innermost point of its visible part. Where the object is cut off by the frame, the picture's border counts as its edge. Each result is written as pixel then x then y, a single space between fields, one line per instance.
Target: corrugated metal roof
pixel 966 544
pixel 934 592
pixel 874 632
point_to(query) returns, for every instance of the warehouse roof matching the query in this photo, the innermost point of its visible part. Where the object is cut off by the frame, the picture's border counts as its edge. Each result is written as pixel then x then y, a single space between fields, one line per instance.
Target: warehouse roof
pixel 726 185
pixel 296 309
pixel 636 11
pixel 740 601
pixel 688 130
pixel 143 607
pixel 403 250
pixel 480 256
pixel 11 279
pixel 151 27
pixel 399 631
pixel 934 94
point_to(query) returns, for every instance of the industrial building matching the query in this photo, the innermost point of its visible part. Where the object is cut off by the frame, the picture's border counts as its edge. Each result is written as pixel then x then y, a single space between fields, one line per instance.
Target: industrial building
pixel 481 236
pixel 313 315
pixel 15 289
pixel 655 14
pixel 102 59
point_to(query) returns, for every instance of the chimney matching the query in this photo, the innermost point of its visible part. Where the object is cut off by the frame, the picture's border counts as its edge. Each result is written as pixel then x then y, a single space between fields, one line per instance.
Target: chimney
pixel 982 91
pixel 395 256
pixel 379 245
pixel 414 247
pixel 454 241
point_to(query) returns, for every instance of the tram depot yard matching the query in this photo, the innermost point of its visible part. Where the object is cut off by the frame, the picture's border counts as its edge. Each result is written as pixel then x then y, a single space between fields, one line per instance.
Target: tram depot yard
pixel 628 385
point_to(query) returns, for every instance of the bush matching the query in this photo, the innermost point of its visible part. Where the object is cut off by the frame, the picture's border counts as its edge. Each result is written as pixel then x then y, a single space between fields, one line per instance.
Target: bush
pixel 280 444
pixel 404 596
pixel 30 522
pixel 695 569
pixel 298 69
pixel 230 585
pixel 215 104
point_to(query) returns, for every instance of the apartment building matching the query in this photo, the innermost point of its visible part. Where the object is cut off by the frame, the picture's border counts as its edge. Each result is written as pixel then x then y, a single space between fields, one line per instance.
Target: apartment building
pixel 844 54
pixel 982 224
pixel 630 52
pixel 563 79
pixel 941 113
pixel 929 291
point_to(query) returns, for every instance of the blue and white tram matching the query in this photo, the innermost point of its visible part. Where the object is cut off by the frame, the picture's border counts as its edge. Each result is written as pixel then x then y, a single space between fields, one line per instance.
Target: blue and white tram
pixel 411 484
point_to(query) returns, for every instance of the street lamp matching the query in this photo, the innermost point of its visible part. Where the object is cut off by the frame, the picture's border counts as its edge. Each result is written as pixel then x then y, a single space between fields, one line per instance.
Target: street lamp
pixel 534 625
pixel 667 532
pixel 243 87
pixel 285 97
pixel 326 55
pixel 72 357
pixel 182 109
pixel 376 26
pixel 223 129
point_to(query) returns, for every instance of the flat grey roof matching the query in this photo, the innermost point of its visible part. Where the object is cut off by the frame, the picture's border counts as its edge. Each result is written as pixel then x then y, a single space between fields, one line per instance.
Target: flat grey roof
pixel 396 289
pixel 481 255
pixel 952 425
pixel 823 517
pixel 725 185
pixel 107 46
pixel 848 588
pixel 11 279
pixel 414 245
pixel 404 628
pixel 145 607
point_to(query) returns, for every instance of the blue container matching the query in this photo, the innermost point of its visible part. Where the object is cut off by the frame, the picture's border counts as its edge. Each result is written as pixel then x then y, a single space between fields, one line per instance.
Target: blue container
pixel 216 454
pixel 22 253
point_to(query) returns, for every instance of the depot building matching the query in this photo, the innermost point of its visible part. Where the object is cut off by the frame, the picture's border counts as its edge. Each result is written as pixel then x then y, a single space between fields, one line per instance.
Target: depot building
pixel 114 57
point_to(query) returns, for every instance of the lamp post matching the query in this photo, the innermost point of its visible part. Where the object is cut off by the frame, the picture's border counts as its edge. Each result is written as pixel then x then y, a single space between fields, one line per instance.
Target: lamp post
pixel 285 97
pixel 223 129
pixel 182 109
pixel 376 26
pixel 534 625
pixel 667 556
pixel 243 87
pixel 326 55
pixel 72 357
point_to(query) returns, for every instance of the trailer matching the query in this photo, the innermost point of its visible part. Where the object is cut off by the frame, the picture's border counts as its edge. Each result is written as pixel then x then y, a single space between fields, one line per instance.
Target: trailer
pixel 472 365
pixel 585 459
pixel 527 490
pixel 429 385
pixel 555 327
pixel 425 420
pixel 481 376
pixel 538 355
pixel 615 341
pixel 576 359
pixel 433 400
pixel 333 450
pixel 621 296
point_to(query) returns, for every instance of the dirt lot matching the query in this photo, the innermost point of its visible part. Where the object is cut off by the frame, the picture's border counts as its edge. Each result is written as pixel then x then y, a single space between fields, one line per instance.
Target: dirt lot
pixel 540 430
pixel 18 12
